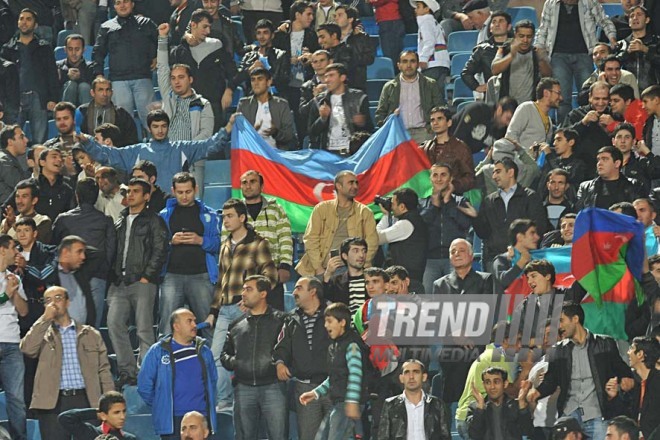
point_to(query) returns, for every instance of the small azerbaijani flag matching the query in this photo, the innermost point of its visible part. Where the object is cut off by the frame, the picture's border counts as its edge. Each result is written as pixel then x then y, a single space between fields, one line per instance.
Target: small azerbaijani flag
pixel 298 180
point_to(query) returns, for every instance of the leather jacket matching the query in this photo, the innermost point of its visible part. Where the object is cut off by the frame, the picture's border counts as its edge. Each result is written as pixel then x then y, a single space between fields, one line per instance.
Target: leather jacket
pixel 394 419
pixel 249 346
pixel 515 422
pixel 480 62
pixel 280 68
pixel 589 190
pixel 147 248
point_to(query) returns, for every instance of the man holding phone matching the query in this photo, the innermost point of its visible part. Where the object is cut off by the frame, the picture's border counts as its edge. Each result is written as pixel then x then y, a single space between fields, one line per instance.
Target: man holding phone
pixel 75 73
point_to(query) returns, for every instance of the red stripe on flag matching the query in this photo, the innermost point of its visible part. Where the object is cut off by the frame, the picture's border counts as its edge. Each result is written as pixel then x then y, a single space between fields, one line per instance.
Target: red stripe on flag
pixel 596 248
pixel 520 286
pixel 622 292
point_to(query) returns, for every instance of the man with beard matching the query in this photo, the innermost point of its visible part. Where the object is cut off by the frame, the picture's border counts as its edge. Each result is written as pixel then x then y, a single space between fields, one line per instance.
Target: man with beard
pixel 26 198
pixel 110 196
pixel 479 124
pixel 531 122
pixel 627 108
pixel 65 122
pixel 348 287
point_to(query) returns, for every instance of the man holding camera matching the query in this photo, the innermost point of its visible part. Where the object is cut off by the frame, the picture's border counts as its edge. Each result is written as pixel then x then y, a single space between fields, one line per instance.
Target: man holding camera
pixel 407 236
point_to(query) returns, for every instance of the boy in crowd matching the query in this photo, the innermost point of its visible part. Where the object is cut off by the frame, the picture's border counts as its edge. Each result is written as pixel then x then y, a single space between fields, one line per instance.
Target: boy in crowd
pixel 111 412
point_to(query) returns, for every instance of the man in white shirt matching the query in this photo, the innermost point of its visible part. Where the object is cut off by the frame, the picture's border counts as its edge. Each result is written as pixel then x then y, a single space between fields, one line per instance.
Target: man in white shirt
pixel 110 196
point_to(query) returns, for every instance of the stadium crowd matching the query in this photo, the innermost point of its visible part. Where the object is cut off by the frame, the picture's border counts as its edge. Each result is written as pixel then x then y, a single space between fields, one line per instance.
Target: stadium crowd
pixel 107 244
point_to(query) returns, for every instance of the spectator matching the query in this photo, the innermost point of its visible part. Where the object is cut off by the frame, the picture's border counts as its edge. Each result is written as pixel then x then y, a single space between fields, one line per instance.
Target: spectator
pixel 477 70
pixel 13 144
pixel 95 228
pixel 250 256
pixel 14 304
pixel 105 134
pixel 620 21
pixel 610 186
pixel 26 197
pixel 563 156
pixel 338 112
pixel 568 428
pixel 523 238
pixel 569 50
pixel 192 262
pixel 587 398
pixel 431 44
pixel 453 17
pixel 646 215
pixel 10 93
pixel 74 72
pixel 300 353
pixel 639 51
pixel 222 28
pixel 557 203
pixel 111 411
pixel 622 428
pixel 100 110
pixel 158 11
pixel 84 163
pixel 257 387
pixel 269 115
pixel 586 120
pixel 130 41
pixel 405 415
pixel 624 106
pixel 479 124
pixel 254 12
pixel 499 416
pixel 324 14
pixel 74 373
pixel 180 19
pixel 211 65
pixel 447 149
pixel 520 65
pixel 141 253
pixel 55 193
pixel 608 69
pixel 165 154
pixel 38 81
pixel 563 236
pixel 447 217
pixel 391 28
pixel 349 286
pixel 266 56
pixel 412 94
pixel 194 426
pixel 186 383
pixel 311 89
pixel 110 200
pixel 479 14
pixel 498 210
pixel 463 278
pixel 325 230
pixel 531 121
pixel 146 170
pixel 66 135
pixel 651 132
pixel 362 50
pixel 640 169
pixel 329 37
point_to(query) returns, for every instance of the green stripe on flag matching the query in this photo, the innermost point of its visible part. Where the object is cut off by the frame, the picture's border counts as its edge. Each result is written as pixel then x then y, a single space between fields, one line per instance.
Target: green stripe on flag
pixel 606 319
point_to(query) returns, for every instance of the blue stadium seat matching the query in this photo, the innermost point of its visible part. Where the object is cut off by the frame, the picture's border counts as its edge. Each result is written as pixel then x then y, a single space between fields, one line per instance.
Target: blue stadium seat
pixel 461 90
pixel 216 195
pixel 410 42
pixel 52 129
pixel 289 302
pixel 141 426
pixel 462 104
pixel 375 40
pixel 612 9
pixel 217 172
pixel 238 25
pixel 523 13
pixel 87 54
pixel 462 41
pixel 381 68
pixel 374 87
pixel 27 130
pixel 61 36
pixel 369 24
pixel 59 53
pixel 372 112
pixel 458 61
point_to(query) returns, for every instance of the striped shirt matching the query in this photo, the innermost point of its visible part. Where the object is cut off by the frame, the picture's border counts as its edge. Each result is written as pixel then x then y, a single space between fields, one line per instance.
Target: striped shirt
pixel 357 293
pixel 181 127
pixel 71 377
pixel 309 322
pixel 189 391
pixel 354 387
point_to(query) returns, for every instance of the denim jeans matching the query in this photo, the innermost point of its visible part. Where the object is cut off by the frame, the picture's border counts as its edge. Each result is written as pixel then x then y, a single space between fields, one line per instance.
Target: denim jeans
pixel 391 34
pixel 462 428
pixel 134 94
pixel 76 93
pixel 594 428
pixel 335 425
pixel 178 290
pixel 311 415
pixel 12 372
pixel 435 269
pixel 98 286
pixel 264 402
pixel 31 110
pixel 569 67
pixel 226 316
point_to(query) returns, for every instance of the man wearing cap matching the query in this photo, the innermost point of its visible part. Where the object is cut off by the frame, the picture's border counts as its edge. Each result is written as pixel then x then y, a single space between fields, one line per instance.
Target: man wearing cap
pixel 474 15
pixel 567 428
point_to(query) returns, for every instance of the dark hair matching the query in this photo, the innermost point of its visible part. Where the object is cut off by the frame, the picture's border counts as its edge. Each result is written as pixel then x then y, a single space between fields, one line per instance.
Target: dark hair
pixel 26 221
pixel 612 151
pixel 376 272
pixel 519 226
pixel 626 126
pixel 416 362
pixel 641 8
pixel 111 175
pixel 543 267
pixel 557 172
pixel 444 165
pixel 351 241
pixel 331 29
pixel 340 312
pixel 608 59
pixel 74 37
pixel 5 240
pixel 238 206
pixel 397 271
pixel 408 52
pixel 265 24
pixel 29 184
pixel 337 67
pixel 524 24
pixel 351 12
pixel 653 260
pixel 646 200
pixel 624 91
pixel 493 371
pixel 87 191
pixel 147 167
pixel 182 66
pixel 314 283
pixel 201 14
pixel 257 173
pixel 146 187
pixel 110 398
pixel 504 14
pixel 260 71
pixel 183 177
pixel 110 131
pixel 69 241
pixel 7 133
pixel 545 84
pixel 651 92
pixel 571 309
pixel 30 11
pixel 157 115
pixel 408 197
pixel 507 104
pixel 508 164
pixel 442 109
pixel 651 348
pixel 625 425
pixel 44 154
pixel 64 105
pixel 298 7
pixel 626 208
pixel 569 134
pixel 263 283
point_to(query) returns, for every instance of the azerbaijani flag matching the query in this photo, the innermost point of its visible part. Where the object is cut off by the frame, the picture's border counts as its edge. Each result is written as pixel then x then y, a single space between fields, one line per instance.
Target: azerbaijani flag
pixel 608 254
pixel 298 180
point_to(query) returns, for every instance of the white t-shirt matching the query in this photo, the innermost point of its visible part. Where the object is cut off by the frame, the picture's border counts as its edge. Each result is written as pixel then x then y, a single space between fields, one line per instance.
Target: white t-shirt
pixel 264 118
pixel 10 332
pixel 297 70
pixel 129 224
pixel 339 136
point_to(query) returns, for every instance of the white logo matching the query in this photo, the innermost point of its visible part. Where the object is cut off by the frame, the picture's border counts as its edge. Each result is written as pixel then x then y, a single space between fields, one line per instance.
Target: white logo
pixel 165 360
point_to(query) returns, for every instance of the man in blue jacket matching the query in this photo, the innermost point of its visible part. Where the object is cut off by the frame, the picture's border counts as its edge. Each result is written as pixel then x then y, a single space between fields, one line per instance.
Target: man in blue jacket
pixel 192 266
pixel 178 375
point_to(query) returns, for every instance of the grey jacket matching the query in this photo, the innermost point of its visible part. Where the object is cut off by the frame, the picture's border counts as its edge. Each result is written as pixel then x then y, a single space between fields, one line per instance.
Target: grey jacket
pixel 11 172
pixel 282 119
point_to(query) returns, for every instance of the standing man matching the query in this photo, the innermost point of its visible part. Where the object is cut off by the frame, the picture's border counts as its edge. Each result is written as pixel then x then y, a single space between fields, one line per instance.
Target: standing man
pixel 192 262
pixel 73 363
pixel 270 221
pixel 311 89
pixel 55 192
pixel 178 375
pixel 257 388
pixel 332 222
pixel 531 121
pixel 391 28
pixel 639 51
pixel 146 170
pixel 130 43
pixel 651 133
pixel 13 303
pixel 362 50
pixel 37 74
pixel 412 94
pixel 13 144
pixel 141 253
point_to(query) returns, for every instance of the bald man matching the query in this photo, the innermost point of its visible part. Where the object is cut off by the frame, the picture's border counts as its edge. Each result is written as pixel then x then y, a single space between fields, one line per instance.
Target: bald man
pixel 194 426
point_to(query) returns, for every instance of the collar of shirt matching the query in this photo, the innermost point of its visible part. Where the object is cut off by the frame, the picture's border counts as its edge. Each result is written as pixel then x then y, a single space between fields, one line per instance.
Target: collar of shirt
pixel 403 79
pixel 64 329
pixel 107 429
pixel 408 402
pixel 508 193
pixel 63 270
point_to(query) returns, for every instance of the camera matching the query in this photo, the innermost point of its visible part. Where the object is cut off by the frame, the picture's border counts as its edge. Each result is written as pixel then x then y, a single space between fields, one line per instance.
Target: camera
pixel 385 201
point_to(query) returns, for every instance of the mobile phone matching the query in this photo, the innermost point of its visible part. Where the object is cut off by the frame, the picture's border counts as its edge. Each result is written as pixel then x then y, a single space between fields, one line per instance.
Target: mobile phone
pixel 334 253
pixel 185 230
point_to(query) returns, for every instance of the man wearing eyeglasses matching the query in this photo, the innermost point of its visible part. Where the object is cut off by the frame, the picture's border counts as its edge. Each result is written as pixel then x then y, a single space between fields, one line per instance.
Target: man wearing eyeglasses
pixel 73 363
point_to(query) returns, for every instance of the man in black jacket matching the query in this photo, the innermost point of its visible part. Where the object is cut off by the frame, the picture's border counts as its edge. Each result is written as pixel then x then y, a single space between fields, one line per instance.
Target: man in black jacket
pixel 651 103
pixel 142 241
pixel 147 171
pixel 303 357
pixel 349 286
pixel 479 124
pixel 258 390
pixel 640 51
pixel 74 72
pixel 10 92
pixel 37 78
pixel 330 39
pixel 55 192
pixel 397 414
pixel 360 45
pixel 583 365
pixel 180 18
pixel 310 89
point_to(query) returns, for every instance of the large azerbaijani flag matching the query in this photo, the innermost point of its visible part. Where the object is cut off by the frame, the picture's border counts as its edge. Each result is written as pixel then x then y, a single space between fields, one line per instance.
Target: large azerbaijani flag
pixel 298 180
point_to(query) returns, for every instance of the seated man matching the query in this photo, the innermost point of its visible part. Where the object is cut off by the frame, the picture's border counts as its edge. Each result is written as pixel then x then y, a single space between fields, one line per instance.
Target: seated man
pixel 74 72
pixel 627 108
pixel 111 412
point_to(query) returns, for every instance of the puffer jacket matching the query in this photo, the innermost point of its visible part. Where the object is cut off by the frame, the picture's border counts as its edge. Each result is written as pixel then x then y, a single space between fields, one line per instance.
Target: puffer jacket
pixel 394 419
